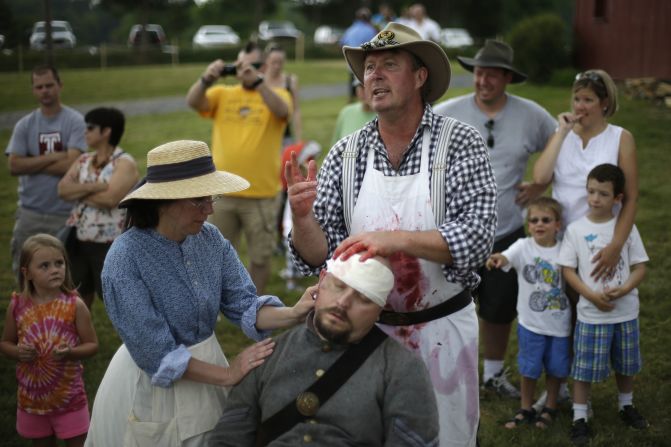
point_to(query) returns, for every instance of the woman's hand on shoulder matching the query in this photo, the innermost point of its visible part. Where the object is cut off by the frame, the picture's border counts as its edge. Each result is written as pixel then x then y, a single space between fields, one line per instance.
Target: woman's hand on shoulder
pixel 248 359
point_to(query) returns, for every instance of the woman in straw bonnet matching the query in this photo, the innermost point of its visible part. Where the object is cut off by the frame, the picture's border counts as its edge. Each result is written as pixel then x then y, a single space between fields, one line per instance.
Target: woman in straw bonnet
pixel 165 280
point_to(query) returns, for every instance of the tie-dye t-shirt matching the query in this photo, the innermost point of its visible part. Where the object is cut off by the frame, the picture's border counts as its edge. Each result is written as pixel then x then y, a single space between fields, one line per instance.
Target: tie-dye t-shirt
pixel 47 385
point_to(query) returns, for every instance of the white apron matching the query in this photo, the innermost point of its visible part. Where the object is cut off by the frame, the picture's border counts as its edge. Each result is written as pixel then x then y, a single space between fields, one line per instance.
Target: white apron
pixel 448 345
pixel 129 411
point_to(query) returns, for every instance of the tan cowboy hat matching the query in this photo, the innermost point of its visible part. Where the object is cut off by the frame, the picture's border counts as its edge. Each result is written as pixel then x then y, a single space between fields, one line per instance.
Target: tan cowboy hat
pixel 181 170
pixel 495 54
pixel 397 36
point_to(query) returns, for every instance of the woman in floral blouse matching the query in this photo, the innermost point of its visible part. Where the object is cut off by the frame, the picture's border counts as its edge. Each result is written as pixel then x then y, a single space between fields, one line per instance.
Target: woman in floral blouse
pixel 97 181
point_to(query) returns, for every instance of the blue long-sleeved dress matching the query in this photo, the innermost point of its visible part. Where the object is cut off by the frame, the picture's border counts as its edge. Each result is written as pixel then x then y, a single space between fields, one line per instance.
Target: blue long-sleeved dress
pixel 163 296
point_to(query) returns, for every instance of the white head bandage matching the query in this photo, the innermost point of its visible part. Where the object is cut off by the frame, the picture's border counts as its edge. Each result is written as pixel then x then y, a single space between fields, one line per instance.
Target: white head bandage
pixel 372 278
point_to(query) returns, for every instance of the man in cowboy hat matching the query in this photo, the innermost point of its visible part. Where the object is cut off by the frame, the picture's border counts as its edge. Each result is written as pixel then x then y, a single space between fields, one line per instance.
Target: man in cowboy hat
pixel 513 129
pixel 387 400
pixel 249 120
pixel 418 188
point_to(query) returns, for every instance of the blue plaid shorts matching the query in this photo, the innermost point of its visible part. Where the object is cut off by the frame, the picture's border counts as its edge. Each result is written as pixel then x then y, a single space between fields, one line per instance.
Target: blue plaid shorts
pixel 597 345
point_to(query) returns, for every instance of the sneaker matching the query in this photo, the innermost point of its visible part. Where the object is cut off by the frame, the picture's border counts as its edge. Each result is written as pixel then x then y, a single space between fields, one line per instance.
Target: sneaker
pixel 563 398
pixel 633 418
pixel 580 432
pixel 500 385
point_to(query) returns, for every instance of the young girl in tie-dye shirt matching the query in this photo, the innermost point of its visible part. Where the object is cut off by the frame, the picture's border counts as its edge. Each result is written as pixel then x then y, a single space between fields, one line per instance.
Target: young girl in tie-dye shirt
pixel 48 330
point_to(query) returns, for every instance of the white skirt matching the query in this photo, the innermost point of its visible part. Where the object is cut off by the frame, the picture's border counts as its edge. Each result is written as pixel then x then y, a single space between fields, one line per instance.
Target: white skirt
pixel 129 411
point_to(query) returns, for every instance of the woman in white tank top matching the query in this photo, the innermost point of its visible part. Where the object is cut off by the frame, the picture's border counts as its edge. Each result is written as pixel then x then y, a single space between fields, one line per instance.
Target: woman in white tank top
pixel 583 140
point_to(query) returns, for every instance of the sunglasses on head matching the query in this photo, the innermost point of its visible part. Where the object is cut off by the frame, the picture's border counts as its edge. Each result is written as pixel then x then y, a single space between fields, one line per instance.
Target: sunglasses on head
pixel 589 75
pixel 489 125
pixel 545 220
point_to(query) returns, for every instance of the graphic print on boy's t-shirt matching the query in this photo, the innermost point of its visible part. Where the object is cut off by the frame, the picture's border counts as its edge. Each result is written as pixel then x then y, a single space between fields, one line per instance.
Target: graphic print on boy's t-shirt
pixel 615 278
pixel 548 294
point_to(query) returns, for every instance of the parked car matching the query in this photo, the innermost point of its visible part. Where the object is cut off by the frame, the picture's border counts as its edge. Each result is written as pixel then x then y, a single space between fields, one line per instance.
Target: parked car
pixel 155 35
pixel 215 36
pixel 269 30
pixel 61 35
pixel 327 35
pixel 455 38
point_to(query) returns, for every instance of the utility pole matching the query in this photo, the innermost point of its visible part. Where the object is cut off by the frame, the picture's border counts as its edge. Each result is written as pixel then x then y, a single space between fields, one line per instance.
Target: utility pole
pixel 49 52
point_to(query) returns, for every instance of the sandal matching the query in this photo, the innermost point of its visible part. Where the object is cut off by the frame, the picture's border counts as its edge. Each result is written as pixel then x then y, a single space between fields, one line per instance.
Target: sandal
pixel 522 416
pixel 546 417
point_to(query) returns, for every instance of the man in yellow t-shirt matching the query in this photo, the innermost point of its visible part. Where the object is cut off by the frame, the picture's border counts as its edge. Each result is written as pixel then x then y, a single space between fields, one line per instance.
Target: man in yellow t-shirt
pixel 249 121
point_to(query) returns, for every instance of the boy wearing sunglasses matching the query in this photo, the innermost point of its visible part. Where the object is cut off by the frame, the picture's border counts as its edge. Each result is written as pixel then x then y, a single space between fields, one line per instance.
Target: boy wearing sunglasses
pixel 544 314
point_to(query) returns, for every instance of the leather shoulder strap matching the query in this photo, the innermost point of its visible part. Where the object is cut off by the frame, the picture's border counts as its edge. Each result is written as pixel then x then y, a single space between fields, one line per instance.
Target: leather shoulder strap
pixel 321 390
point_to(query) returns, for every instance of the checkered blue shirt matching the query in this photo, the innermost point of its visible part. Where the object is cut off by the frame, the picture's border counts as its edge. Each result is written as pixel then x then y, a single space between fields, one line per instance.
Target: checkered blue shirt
pixel 470 193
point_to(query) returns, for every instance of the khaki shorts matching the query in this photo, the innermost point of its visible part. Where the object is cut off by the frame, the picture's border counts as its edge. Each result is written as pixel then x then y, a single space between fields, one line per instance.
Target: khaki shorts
pixel 255 218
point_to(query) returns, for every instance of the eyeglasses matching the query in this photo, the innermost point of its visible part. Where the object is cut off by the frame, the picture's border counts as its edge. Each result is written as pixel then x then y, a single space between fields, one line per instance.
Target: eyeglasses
pixel 489 125
pixel 545 220
pixel 90 126
pixel 589 75
pixel 204 202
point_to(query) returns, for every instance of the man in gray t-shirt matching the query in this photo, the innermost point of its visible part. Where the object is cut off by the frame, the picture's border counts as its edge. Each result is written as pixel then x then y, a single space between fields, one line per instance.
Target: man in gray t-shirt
pixel 513 129
pixel 43 146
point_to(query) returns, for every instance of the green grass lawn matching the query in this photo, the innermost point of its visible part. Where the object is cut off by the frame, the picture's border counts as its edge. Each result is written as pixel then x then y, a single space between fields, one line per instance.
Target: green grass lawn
pixel 649 124
pixel 94 85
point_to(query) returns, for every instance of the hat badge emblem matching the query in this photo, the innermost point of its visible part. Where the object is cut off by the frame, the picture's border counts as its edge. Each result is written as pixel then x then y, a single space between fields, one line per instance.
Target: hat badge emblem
pixel 383 39
pixel 386 35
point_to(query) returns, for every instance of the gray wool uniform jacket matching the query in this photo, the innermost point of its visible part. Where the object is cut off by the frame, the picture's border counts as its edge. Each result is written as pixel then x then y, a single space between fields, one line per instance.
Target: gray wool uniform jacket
pixel 388 401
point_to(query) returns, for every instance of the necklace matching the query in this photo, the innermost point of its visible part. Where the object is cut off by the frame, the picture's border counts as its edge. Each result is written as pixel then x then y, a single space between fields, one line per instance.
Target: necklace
pixel 99 164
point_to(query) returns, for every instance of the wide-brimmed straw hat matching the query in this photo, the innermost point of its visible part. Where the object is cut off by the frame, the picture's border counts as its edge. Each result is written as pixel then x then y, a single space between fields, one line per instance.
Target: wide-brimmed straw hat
pixel 396 36
pixel 181 170
pixel 494 54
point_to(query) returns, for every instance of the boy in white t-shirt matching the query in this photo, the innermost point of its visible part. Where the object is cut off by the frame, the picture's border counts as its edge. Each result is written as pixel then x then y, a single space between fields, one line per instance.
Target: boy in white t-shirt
pixel 607 328
pixel 544 313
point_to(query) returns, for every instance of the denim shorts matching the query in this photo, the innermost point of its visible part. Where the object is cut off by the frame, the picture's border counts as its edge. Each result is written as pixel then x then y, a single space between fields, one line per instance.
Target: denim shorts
pixel 598 345
pixel 537 351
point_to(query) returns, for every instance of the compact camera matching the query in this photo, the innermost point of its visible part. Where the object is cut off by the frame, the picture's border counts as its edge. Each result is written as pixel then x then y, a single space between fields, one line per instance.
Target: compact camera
pixel 230 69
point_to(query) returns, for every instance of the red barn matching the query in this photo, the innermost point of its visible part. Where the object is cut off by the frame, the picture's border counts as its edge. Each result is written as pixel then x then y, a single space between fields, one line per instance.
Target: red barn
pixel 627 38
